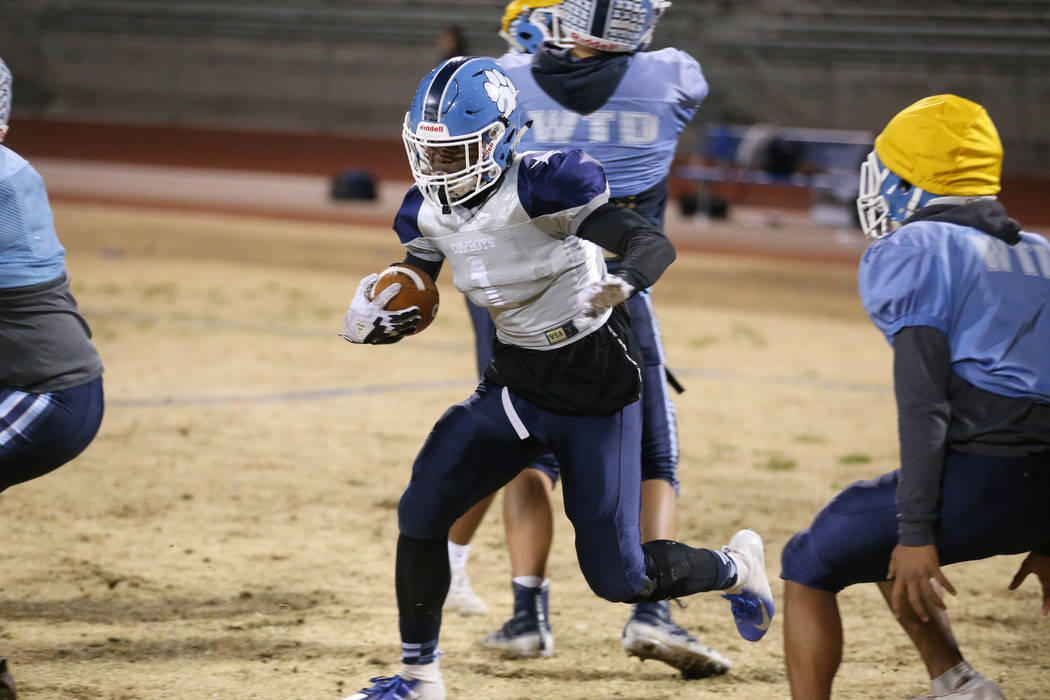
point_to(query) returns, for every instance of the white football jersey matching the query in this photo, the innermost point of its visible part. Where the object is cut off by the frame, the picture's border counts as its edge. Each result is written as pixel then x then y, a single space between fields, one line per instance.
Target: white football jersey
pixel 518 254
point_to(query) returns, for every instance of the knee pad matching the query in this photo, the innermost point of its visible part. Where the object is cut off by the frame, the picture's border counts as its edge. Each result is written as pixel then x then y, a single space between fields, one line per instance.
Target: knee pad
pixel 674 569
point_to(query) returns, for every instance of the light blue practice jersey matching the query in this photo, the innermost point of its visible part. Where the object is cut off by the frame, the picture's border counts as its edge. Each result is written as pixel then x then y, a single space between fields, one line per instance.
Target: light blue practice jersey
pixel 29 249
pixel 635 133
pixel 991 300
pixel 44 341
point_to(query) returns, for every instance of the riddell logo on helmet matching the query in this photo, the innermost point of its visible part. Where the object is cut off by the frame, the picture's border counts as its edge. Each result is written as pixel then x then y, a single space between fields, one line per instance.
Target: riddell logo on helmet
pixel 594 43
pixel 432 129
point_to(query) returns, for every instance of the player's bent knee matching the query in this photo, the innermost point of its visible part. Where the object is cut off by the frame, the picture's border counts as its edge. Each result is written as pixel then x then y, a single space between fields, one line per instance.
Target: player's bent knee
pixel 613 588
pixel 424 512
pixel 801 564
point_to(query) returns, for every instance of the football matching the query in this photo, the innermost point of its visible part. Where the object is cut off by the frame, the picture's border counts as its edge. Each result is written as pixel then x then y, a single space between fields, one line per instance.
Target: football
pixel 417 289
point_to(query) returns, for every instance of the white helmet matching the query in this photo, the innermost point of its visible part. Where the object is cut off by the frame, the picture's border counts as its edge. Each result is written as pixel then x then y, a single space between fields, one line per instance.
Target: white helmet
pixel 616 26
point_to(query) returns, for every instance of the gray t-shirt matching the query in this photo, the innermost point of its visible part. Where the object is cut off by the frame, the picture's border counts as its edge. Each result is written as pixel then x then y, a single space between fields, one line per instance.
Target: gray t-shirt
pixel 44 341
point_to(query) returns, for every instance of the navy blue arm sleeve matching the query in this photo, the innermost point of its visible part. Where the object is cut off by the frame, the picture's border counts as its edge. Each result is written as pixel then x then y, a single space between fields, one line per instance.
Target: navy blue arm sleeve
pixel 431 267
pixel 645 249
pixel 921 374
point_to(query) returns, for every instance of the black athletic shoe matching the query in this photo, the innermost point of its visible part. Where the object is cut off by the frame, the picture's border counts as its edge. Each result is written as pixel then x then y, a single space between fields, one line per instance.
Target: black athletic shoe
pixel 7 683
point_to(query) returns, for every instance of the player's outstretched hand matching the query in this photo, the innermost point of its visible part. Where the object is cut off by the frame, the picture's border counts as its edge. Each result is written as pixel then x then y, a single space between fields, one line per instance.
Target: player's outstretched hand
pixel 1038 564
pixel 604 294
pixel 368 322
pixel 913 570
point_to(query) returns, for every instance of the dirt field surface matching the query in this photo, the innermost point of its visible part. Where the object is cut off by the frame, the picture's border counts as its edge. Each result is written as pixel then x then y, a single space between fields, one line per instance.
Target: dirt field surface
pixel 230 533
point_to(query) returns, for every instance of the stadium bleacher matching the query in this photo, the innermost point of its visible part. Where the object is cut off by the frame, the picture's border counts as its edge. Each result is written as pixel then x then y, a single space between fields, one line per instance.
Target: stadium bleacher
pixel 326 67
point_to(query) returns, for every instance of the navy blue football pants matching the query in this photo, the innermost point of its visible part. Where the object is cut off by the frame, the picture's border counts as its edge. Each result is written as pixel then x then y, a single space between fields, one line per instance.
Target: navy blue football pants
pixel 989 506
pixel 482 443
pixel 659 430
pixel 41 432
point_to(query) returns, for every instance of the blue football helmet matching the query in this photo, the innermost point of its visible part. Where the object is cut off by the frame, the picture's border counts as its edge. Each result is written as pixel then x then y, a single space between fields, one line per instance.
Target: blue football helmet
pixel 467 107
pixel 529 23
pixel 885 200
pixel 5 97
pixel 616 26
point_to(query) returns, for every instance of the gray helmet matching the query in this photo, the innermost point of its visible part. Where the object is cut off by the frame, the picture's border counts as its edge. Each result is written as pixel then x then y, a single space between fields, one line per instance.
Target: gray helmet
pixel 5 93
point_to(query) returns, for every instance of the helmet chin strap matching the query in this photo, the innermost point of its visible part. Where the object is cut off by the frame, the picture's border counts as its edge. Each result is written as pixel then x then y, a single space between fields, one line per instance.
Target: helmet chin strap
pixel 954 200
pixel 521 132
pixel 958 200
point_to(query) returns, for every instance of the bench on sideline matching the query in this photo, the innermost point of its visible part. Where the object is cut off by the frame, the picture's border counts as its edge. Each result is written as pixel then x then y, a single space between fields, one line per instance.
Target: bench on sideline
pixel 824 161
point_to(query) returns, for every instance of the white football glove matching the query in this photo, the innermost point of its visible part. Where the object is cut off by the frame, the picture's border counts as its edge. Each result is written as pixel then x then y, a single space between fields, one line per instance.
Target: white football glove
pixel 604 294
pixel 368 322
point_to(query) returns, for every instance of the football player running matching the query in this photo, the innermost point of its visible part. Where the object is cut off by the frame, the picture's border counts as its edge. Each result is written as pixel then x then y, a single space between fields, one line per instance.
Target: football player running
pixel 963 296
pixel 524 235
pixel 585 82
pixel 50 373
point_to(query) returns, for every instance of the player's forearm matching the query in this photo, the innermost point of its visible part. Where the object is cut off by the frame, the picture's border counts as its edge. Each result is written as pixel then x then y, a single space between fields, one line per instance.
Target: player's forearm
pixel 431 267
pixel 645 249
pixel 921 371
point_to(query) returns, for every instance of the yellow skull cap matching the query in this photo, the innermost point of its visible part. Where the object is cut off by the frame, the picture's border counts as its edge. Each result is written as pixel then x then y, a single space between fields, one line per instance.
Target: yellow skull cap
pixel 944 144
pixel 516 7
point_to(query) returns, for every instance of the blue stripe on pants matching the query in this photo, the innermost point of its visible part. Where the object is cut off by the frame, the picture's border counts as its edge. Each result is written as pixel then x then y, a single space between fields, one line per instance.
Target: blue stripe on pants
pixel 41 432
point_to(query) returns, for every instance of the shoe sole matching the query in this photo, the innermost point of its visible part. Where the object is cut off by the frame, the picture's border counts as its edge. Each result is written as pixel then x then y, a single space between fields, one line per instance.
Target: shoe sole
pixel 511 652
pixel 689 663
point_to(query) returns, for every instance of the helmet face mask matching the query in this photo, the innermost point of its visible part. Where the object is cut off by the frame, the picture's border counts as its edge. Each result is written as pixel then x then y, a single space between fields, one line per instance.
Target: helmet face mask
pixel 532 27
pixel 461 130
pixel 432 160
pixel 885 200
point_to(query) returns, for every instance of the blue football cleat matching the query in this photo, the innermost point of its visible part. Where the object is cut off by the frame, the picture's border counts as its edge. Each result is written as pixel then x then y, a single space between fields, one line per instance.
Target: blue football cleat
pixel 528 633
pixel 398 688
pixel 751 598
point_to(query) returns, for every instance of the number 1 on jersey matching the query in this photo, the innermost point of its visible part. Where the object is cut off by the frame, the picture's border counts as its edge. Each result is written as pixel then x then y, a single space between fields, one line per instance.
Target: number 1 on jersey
pixel 480 276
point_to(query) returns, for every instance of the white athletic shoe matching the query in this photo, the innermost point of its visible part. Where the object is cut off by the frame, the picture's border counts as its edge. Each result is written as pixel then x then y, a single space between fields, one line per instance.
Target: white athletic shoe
pixel 461 598
pixel 651 635
pixel 751 597
pixel 977 688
